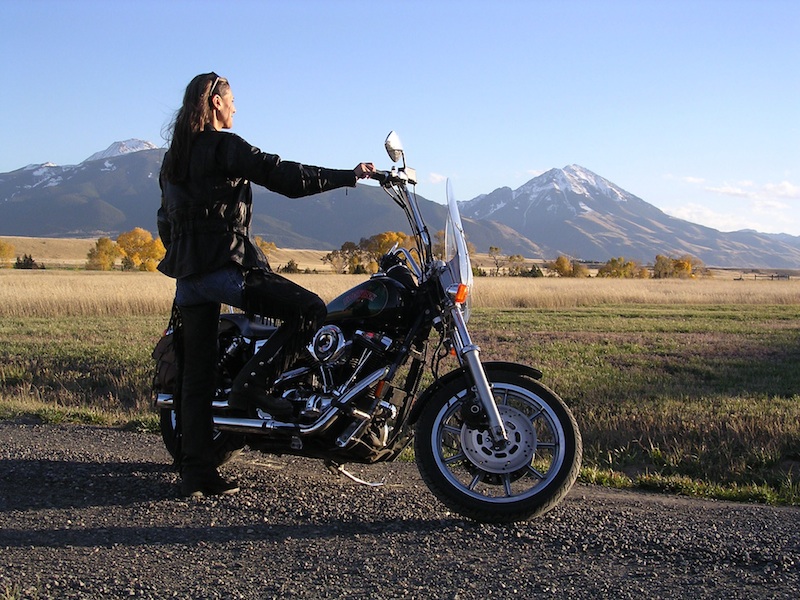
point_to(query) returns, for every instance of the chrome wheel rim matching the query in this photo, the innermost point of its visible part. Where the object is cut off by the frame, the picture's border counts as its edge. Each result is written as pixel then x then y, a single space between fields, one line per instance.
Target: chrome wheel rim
pixel 469 461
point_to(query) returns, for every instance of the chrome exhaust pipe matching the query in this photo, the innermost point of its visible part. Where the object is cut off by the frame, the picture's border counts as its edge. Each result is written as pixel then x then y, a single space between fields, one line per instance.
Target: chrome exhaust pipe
pixel 247 425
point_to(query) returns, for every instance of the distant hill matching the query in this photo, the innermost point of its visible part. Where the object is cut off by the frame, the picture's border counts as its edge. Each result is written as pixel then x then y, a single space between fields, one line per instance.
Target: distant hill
pixel 569 211
pixel 575 212
pixel 106 196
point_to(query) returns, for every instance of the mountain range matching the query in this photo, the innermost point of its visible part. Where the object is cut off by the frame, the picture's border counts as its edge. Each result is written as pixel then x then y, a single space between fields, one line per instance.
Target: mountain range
pixel 569 211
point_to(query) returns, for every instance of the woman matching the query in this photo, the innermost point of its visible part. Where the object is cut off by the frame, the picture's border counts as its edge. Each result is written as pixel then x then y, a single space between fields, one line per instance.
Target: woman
pixel 204 223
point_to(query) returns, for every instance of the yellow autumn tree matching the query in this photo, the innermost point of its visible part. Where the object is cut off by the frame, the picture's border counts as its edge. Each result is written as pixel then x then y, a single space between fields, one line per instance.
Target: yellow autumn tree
pixel 140 250
pixel 380 243
pixel 562 266
pixel 266 247
pixel 6 253
pixel 622 268
pixel 157 252
pixel 685 267
pixel 103 256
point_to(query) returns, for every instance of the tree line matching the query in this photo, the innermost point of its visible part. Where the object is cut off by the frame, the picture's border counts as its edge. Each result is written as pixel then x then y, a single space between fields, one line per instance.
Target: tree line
pixel 137 250
pixel 25 261
pixel 664 267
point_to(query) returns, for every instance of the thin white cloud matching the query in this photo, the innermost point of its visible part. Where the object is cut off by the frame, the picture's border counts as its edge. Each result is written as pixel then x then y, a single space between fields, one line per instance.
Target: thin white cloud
pixel 766 193
pixel 703 215
pixel 770 206
pixel 731 190
pixel 784 189
pixel 764 207
pixel 436 178
pixel 767 215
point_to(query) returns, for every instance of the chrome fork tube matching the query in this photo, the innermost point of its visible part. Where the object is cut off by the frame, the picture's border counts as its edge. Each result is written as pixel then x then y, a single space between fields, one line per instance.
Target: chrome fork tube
pixel 471 356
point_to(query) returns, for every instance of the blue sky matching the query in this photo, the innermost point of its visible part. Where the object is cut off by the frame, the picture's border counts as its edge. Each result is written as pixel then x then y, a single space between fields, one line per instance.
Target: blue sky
pixel 694 106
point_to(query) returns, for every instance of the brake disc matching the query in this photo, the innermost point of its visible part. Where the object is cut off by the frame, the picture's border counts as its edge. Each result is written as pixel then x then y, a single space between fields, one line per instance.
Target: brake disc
pixel 481 450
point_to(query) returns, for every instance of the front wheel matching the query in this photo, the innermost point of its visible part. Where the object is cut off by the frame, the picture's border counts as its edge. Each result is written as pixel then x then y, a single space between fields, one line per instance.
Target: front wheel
pixel 461 465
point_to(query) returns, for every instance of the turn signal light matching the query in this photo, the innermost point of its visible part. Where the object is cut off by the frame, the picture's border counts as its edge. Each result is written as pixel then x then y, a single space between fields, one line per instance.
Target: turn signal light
pixel 461 294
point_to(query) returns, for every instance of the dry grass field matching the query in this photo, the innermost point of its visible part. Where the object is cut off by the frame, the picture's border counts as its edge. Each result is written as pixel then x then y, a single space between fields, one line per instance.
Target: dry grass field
pixel 52 252
pixel 46 293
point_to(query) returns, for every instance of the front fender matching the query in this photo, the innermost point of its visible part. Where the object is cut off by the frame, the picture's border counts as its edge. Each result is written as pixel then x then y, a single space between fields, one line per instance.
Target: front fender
pixel 489 367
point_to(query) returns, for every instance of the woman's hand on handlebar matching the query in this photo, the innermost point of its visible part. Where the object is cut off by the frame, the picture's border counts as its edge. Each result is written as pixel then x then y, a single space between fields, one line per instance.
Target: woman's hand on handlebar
pixel 364 170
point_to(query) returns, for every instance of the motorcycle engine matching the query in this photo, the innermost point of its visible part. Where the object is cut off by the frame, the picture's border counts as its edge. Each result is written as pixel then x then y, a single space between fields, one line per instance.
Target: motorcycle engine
pixel 329 345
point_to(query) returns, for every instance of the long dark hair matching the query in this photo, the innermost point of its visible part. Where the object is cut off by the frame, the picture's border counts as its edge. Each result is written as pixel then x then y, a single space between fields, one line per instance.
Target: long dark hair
pixel 190 120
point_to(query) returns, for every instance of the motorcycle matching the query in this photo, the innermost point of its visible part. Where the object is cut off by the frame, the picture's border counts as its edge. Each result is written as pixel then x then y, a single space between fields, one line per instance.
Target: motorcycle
pixel 490 440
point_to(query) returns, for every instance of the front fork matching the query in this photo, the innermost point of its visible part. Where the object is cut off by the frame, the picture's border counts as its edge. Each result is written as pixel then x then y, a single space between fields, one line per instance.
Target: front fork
pixel 470 356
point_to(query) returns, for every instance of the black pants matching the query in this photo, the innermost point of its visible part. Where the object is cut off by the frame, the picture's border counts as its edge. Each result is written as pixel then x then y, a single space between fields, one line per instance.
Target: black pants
pixel 199 325
pixel 301 313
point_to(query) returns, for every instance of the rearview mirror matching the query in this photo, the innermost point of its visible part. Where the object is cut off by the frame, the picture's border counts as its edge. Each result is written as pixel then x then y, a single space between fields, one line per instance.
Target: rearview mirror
pixel 394 147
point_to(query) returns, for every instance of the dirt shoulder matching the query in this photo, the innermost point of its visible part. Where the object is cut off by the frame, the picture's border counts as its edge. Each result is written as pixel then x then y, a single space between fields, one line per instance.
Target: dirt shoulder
pixel 91 512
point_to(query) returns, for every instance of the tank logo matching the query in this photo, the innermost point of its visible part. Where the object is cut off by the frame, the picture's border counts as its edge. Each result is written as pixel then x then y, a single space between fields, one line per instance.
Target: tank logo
pixel 358 295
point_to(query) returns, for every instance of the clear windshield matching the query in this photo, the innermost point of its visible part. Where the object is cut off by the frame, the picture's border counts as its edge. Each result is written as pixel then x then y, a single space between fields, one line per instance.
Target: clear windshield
pixel 455 243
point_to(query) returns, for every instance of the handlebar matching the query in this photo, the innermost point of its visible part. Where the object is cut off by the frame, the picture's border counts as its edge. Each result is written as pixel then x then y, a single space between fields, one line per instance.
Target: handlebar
pixel 404 175
pixel 380 176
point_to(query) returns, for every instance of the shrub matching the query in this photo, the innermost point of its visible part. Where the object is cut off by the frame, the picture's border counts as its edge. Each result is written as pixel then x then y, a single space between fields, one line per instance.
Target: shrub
pixel 27 262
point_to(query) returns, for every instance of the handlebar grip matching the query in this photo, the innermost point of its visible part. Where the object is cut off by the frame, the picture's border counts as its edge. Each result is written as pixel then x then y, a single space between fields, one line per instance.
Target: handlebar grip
pixel 380 176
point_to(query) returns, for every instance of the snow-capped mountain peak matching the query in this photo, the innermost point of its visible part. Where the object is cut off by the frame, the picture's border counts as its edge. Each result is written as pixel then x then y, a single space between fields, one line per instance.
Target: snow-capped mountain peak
pixel 573 179
pixel 572 190
pixel 18 184
pixel 120 148
pixel 584 181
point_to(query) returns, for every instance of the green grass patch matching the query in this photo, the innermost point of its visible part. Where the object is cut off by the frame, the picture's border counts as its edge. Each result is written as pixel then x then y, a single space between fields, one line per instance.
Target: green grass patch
pixel 101 363
pixel 12 408
pixel 707 394
pixel 698 400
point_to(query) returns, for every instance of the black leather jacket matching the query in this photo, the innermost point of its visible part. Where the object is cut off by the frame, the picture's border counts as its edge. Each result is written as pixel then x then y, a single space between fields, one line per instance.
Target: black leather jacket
pixel 204 222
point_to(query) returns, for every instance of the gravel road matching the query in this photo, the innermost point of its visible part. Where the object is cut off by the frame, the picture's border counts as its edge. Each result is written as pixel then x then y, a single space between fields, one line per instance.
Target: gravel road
pixel 93 512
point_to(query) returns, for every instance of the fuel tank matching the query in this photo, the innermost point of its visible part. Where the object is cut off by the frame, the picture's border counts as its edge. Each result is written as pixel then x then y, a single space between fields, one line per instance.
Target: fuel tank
pixel 379 301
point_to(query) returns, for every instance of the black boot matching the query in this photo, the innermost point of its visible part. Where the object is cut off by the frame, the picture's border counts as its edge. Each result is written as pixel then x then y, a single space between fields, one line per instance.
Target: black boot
pixel 301 313
pixel 249 391
pixel 197 484
pixel 199 349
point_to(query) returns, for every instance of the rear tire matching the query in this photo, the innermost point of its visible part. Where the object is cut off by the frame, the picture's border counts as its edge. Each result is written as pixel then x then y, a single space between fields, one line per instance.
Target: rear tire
pixel 226 445
pixel 458 462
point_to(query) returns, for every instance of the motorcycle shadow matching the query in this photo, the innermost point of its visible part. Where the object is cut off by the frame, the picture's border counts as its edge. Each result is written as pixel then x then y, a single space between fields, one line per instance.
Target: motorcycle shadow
pixel 64 503
pixel 191 535
pixel 56 484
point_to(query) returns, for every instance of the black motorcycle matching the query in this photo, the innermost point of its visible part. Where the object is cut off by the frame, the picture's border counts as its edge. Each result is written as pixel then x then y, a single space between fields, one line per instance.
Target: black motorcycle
pixel 490 441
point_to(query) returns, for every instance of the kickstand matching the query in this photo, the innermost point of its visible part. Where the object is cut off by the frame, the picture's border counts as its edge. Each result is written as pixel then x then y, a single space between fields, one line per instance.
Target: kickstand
pixel 338 469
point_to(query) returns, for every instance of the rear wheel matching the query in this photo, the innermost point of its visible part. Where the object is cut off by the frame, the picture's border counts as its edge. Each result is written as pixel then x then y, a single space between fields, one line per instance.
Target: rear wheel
pixel 226 444
pixel 461 465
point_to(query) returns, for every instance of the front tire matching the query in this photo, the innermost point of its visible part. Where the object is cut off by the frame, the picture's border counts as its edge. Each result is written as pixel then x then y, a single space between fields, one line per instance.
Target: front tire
pixel 461 466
